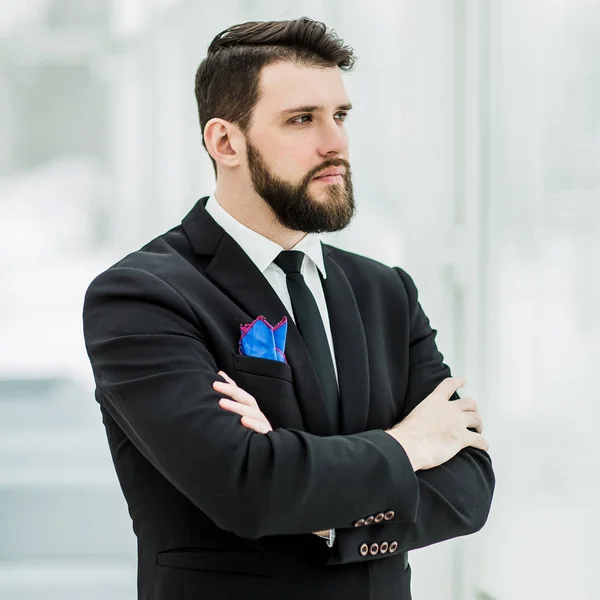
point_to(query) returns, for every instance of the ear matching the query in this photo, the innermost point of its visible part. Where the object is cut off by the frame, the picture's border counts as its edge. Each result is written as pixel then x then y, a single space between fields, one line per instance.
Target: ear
pixel 224 142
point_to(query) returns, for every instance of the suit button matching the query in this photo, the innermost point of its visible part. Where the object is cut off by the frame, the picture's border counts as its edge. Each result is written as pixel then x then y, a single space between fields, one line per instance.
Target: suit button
pixel 389 515
pixel 379 517
pixel 383 548
pixel 374 549
pixel 359 522
pixel 393 546
pixel 364 549
pixel 369 520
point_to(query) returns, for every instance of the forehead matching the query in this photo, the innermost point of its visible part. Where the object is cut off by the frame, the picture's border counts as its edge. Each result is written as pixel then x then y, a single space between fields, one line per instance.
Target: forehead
pixel 284 85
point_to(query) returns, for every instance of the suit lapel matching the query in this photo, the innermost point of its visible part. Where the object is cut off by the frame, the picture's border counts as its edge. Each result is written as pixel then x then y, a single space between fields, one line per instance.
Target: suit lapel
pixel 350 345
pixel 237 276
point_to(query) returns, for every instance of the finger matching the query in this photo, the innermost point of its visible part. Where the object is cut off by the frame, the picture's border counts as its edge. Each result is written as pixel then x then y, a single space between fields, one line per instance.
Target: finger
pixel 244 410
pixel 235 392
pixel 241 409
pixel 227 378
pixel 466 404
pixel 476 440
pixel 449 385
pixel 258 426
pixel 473 420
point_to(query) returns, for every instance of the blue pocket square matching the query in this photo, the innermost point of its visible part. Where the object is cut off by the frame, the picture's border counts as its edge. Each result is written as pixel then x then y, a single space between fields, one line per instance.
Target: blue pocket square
pixel 263 340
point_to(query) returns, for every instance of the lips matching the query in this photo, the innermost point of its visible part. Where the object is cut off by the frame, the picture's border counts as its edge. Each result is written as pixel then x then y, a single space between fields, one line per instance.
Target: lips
pixel 331 171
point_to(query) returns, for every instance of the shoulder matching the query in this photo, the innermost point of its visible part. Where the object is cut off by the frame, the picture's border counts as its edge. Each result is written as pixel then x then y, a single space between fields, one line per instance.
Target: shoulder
pixel 166 254
pixel 359 269
pixel 152 272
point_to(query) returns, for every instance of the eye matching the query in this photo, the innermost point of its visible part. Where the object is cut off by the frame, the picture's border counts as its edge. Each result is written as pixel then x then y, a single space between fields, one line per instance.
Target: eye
pixel 340 116
pixel 295 119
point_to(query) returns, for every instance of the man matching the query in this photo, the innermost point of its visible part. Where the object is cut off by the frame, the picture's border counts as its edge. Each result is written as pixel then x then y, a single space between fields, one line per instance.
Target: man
pixel 236 463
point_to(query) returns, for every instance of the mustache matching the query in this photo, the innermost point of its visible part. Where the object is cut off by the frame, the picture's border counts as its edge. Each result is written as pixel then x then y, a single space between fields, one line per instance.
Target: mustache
pixel 332 162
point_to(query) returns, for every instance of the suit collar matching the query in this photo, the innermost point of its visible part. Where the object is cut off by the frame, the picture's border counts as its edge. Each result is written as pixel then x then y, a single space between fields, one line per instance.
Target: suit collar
pixel 202 231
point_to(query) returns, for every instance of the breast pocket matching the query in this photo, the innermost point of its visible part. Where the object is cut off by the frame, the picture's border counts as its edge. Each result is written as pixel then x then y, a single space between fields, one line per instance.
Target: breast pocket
pixel 271 384
pixel 262 366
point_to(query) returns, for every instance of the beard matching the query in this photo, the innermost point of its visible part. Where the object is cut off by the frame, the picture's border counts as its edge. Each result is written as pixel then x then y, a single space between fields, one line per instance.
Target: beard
pixel 292 204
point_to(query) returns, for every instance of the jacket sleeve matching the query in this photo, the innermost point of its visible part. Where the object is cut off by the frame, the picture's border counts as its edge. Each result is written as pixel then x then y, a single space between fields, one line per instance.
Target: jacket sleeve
pixel 154 373
pixel 454 498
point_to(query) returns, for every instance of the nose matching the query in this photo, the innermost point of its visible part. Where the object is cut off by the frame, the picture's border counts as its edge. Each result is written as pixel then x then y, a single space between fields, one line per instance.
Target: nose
pixel 333 140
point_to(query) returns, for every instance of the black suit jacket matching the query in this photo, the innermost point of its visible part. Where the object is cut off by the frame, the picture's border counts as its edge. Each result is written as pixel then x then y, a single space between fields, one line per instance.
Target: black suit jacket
pixel 220 510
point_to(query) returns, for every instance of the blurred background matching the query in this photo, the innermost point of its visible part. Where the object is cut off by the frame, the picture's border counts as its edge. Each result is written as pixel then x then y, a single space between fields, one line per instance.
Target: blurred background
pixel 475 143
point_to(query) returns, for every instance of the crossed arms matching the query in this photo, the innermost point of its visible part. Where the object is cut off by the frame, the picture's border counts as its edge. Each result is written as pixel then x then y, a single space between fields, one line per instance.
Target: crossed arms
pixel 155 376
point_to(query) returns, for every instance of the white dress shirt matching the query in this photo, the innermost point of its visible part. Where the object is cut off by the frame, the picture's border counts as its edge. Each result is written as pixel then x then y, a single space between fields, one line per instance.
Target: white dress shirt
pixel 263 251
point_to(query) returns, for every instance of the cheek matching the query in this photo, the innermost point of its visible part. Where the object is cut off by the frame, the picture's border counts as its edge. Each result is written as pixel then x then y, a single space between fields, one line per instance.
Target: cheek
pixel 290 164
pixel 289 157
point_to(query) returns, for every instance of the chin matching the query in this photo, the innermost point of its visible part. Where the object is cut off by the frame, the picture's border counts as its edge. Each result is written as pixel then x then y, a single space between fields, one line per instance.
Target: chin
pixel 326 195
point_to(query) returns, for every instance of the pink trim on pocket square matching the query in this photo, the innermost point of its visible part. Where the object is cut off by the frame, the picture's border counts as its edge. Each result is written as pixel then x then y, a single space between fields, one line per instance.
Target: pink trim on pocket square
pixel 246 327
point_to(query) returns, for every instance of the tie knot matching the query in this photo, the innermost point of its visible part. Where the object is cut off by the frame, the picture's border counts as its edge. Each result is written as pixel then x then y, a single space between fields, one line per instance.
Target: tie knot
pixel 290 261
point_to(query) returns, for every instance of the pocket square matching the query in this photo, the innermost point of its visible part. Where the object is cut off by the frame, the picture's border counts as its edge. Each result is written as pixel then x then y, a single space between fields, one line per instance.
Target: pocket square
pixel 263 340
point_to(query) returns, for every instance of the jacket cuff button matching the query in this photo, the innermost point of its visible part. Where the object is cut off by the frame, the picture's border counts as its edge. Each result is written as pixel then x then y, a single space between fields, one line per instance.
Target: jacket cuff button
pixel 383 548
pixel 359 522
pixel 364 549
pixel 369 520
pixel 393 546
pixel 389 515
pixel 374 549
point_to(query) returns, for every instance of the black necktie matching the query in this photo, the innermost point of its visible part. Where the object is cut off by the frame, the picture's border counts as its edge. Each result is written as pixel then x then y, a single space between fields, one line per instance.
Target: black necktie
pixel 310 324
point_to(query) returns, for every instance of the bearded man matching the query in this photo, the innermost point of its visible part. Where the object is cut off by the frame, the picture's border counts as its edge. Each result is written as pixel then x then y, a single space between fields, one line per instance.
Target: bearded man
pixel 281 421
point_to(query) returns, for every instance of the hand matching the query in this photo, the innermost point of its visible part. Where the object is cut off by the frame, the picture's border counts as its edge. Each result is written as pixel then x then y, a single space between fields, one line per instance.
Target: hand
pixel 242 403
pixel 438 428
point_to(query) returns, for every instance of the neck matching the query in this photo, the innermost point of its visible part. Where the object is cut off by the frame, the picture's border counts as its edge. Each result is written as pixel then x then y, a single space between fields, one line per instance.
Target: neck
pixel 247 207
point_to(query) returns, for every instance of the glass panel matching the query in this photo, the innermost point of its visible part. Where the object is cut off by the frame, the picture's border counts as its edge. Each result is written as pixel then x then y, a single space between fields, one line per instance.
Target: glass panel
pixel 545 293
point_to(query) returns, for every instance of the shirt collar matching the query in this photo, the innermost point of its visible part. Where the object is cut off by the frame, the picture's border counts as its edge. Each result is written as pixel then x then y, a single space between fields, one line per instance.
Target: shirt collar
pixel 261 250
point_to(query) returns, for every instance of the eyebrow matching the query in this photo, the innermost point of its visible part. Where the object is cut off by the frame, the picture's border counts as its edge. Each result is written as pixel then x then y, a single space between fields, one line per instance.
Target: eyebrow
pixel 311 109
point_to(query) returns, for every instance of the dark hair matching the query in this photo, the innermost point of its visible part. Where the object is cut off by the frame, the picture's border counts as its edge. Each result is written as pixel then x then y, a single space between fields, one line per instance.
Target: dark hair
pixel 226 83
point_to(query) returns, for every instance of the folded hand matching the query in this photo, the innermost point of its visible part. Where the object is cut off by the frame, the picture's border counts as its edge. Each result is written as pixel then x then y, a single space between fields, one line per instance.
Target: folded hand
pixel 242 403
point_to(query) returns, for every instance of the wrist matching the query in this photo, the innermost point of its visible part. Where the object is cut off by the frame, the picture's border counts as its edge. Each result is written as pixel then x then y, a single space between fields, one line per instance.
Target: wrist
pixel 408 444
